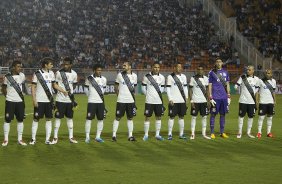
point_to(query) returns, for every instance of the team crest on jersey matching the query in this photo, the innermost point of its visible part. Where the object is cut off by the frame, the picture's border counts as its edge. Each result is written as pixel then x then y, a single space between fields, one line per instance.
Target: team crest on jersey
pixel 7 115
pixel 88 114
pixel 213 109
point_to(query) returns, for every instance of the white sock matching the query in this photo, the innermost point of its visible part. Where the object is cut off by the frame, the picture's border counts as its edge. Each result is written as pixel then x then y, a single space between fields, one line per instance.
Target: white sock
pixel 6 128
pixel 100 125
pixel 158 127
pixel 34 129
pixel 260 122
pixel 115 127
pixel 240 124
pixel 87 128
pixel 20 128
pixel 193 124
pixel 130 127
pixel 48 128
pixel 204 125
pixel 269 124
pixel 250 124
pixel 181 126
pixel 70 127
pixel 146 128
pixel 56 128
pixel 170 126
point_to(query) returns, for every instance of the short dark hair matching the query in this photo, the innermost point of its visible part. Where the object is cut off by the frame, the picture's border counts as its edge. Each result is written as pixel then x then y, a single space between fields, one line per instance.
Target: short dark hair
pixel 97 66
pixel 67 59
pixel 217 58
pixel 46 61
pixel 155 63
pixel 201 65
pixel 16 62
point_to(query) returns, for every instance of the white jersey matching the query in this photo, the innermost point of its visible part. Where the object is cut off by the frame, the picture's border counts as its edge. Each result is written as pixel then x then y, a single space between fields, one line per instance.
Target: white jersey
pixel 173 92
pixel 124 95
pixel 12 94
pixel 245 96
pixel 93 96
pixel 72 79
pixel 152 96
pixel 197 95
pixel 49 78
pixel 265 94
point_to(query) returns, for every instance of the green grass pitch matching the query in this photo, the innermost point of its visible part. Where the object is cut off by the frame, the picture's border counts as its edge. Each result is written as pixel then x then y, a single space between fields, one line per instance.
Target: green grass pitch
pixel 198 161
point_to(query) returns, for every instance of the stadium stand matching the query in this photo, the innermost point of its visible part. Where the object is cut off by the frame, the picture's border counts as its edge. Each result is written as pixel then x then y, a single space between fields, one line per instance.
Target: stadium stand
pixel 109 32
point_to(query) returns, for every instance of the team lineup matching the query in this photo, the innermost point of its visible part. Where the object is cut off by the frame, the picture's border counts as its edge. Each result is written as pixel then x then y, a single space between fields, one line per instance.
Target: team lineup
pixel 207 95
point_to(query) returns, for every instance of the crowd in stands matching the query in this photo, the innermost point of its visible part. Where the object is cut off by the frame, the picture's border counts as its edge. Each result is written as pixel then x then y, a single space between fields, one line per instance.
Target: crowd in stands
pixel 106 32
pixel 261 22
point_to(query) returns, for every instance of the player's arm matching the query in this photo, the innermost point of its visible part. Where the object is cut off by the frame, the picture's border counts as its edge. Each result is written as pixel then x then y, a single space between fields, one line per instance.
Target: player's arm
pixel 4 89
pixel 86 87
pixel 57 87
pixel 116 88
pixel 168 90
pixel 33 94
pixel 144 85
pixel 274 98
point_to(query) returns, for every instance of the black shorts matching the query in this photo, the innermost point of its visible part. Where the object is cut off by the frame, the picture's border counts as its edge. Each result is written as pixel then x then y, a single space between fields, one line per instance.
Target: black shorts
pixel 129 108
pixel 156 108
pixel 43 109
pixel 178 109
pixel 202 107
pixel 95 109
pixel 247 108
pixel 266 109
pixel 14 108
pixel 63 109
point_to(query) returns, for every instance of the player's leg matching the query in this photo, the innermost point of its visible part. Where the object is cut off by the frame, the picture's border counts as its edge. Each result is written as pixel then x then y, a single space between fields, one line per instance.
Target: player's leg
pixel 48 125
pixel 59 114
pixel 270 113
pixel 242 113
pixel 69 116
pixel 130 113
pixel 120 110
pixel 172 111
pixel 181 113
pixel 204 112
pixel 100 123
pixel 9 116
pixel 148 111
pixel 90 115
pixel 261 113
pixel 38 114
pixel 214 111
pixel 223 109
pixel 19 112
pixel 251 112
pixel 158 110
pixel 194 113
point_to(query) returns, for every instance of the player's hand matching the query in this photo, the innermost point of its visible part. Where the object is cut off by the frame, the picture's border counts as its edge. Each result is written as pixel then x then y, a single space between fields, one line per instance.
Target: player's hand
pixel 35 104
pixel 192 104
pixel 171 103
pixel 213 103
pixel 228 101
pixel 65 93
